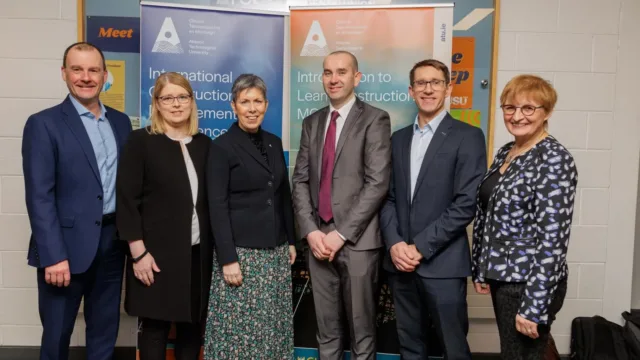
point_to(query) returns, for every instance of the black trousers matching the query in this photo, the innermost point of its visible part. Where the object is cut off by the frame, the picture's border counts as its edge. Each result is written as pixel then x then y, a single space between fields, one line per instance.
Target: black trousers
pixel 444 300
pixel 153 333
pixel 506 299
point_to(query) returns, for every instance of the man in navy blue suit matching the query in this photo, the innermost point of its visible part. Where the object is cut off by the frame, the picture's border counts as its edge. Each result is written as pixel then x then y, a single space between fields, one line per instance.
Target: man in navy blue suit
pixel 70 157
pixel 437 164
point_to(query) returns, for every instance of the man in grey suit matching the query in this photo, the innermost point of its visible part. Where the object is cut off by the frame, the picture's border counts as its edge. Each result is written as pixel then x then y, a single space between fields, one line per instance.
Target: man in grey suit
pixel 438 163
pixel 339 184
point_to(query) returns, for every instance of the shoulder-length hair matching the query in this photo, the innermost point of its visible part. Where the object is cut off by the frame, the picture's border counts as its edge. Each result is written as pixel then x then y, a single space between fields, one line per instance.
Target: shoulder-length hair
pixel 157 121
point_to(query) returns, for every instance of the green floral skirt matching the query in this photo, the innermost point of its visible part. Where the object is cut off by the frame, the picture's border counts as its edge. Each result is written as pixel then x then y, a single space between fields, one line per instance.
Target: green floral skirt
pixel 254 320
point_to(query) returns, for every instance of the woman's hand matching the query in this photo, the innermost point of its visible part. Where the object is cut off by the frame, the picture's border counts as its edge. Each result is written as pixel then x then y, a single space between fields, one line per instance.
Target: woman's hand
pixel 292 254
pixel 526 327
pixel 145 267
pixel 482 288
pixel 232 274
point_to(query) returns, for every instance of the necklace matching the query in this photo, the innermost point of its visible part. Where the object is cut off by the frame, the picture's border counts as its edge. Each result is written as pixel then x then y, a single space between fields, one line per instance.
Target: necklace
pixel 511 156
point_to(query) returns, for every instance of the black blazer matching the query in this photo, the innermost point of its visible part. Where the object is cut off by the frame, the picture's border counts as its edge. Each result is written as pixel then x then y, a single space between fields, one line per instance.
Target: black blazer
pixel 444 200
pixel 524 234
pixel 249 201
pixel 154 203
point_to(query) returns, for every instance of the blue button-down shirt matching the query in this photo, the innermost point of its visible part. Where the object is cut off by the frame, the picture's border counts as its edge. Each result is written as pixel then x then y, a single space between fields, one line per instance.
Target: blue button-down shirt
pixel 419 144
pixel 105 148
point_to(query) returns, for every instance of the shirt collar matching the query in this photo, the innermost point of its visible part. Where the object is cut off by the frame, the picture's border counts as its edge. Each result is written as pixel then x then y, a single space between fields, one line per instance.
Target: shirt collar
pixel 83 111
pixel 344 110
pixel 431 125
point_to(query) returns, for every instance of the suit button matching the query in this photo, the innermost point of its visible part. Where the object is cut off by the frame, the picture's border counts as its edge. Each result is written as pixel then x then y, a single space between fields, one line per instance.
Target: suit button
pixel 99 197
pixel 270 183
pixel 272 176
pixel 269 202
pixel 98 223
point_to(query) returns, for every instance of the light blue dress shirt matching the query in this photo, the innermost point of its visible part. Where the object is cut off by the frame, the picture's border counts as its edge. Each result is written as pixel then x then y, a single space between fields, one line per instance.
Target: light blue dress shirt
pixel 419 144
pixel 105 148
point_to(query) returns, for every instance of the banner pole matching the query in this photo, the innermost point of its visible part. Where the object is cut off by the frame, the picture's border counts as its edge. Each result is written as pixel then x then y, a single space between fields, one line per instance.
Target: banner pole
pixel 352 7
pixel 214 8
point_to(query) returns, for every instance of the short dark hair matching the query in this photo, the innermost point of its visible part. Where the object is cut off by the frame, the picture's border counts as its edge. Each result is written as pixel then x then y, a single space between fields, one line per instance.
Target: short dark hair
pixel 354 60
pixel 438 65
pixel 83 46
pixel 248 81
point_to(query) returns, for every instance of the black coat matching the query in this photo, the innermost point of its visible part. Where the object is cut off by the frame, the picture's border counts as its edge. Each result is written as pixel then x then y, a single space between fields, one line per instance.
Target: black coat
pixel 154 203
pixel 249 200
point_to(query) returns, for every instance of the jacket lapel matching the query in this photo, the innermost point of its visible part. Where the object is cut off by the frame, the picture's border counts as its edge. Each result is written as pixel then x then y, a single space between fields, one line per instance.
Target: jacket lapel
pixel 438 139
pixel 245 144
pixel 271 155
pixel 73 120
pixel 406 160
pixel 321 122
pixel 349 123
pixel 116 132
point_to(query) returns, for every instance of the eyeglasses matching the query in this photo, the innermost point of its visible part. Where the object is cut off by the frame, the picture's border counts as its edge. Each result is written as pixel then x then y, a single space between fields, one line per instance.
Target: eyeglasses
pixel 436 84
pixel 168 100
pixel 527 110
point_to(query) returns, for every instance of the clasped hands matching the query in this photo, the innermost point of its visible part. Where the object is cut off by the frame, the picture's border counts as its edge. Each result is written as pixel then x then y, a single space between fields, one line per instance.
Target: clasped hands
pixel 405 257
pixel 325 246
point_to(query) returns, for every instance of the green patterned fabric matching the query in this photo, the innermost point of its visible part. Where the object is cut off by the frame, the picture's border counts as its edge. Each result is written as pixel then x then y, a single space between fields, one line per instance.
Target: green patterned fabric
pixel 254 320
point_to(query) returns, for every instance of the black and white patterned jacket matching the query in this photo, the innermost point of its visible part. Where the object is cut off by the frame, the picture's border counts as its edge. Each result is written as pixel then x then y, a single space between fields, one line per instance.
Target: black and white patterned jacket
pixel 524 235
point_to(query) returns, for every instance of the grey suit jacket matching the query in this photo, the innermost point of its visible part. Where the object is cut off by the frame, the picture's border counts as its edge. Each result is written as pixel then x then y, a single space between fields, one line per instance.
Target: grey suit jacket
pixel 361 174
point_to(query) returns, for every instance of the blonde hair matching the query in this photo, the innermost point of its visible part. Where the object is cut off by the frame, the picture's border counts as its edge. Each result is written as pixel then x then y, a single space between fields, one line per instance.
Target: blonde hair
pixel 156 119
pixel 530 85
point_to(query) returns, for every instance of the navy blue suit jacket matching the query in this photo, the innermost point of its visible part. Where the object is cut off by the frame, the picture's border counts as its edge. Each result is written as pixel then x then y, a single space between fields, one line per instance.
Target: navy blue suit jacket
pixel 63 187
pixel 443 202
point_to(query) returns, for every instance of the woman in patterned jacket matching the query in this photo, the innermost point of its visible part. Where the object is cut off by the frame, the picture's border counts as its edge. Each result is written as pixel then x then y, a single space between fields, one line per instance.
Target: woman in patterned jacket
pixel 523 222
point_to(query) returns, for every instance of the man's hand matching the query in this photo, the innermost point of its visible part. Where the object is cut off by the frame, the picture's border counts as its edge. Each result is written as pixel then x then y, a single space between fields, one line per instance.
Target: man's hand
pixel 317 245
pixel 415 253
pixel 403 257
pixel 334 243
pixel 58 274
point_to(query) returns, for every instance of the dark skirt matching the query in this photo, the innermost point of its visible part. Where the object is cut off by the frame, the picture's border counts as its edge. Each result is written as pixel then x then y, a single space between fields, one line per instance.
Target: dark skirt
pixel 506 299
pixel 254 320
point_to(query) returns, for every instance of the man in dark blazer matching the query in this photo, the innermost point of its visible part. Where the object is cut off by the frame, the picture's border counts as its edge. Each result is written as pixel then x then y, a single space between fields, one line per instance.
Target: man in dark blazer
pixel 339 184
pixel 437 165
pixel 70 155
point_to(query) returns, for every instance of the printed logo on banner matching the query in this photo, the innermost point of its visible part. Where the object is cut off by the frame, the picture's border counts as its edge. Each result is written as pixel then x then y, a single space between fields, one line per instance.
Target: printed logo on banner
pixel 167 41
pixel 316 43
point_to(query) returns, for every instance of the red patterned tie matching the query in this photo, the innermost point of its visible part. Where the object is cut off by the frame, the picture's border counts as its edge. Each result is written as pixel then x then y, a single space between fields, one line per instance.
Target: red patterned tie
pixel 328 157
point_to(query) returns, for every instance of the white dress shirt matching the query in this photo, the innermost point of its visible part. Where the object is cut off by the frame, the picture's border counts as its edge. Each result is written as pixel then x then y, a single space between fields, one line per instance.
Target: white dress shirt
pixel 193 182
pixel 344 112
pixel 420 143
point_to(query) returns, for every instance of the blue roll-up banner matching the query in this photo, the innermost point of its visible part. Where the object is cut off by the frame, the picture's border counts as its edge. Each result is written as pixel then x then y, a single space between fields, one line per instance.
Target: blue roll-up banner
pixel 211 47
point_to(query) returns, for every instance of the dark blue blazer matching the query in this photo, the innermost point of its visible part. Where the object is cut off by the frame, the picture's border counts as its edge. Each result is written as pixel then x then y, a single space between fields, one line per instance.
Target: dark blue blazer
pixel 444 200
pixel 63 187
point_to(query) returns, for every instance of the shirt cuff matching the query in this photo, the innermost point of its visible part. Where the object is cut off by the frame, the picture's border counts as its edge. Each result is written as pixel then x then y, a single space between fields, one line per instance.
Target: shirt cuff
pixel 341 237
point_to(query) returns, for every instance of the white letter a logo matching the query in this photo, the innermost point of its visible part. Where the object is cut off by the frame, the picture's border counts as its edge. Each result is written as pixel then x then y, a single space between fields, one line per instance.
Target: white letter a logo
pixel 167 41
pixel 316 44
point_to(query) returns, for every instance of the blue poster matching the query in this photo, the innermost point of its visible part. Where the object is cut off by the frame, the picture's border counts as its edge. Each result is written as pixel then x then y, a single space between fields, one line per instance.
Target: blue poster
pixel 211 48
pixel 114 33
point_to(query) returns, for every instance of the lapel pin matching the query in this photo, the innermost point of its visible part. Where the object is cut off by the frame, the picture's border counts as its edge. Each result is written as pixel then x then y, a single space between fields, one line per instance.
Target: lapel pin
pixel 269 145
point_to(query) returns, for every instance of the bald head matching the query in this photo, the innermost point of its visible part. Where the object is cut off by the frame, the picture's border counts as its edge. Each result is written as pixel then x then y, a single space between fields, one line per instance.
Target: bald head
pixel 353 60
